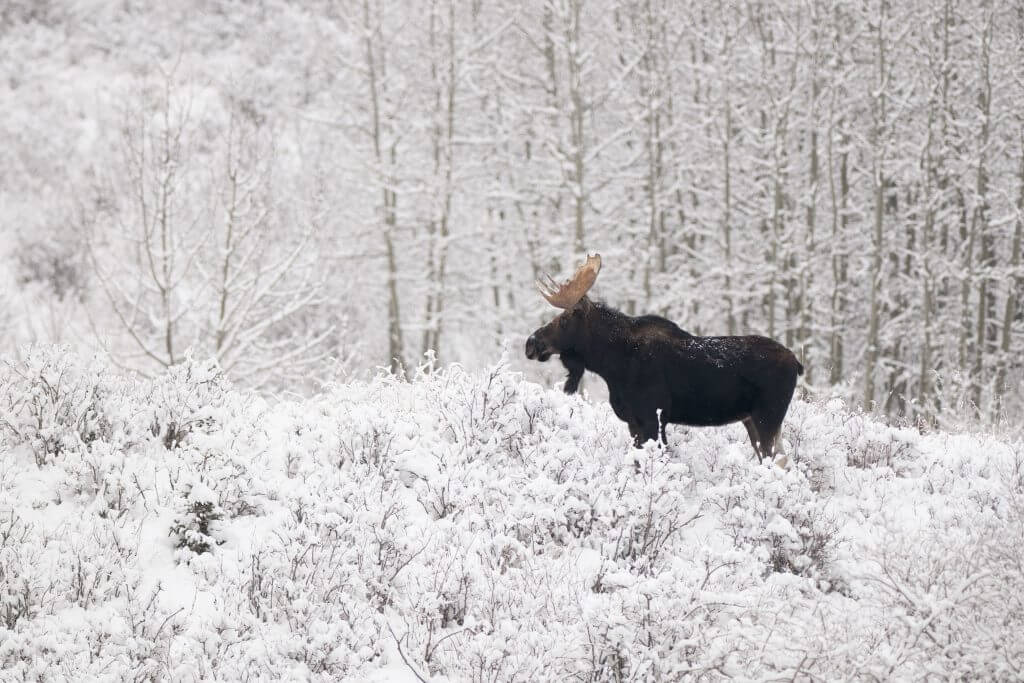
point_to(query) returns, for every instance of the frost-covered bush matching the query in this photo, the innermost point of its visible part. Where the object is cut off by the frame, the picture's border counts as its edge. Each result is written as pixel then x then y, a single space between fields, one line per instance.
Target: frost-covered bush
pixel 310 581
pixel 186 400
pixel 53 403
pixel 473 526
pixel 643 514
pixel 196 525
pixel 24 588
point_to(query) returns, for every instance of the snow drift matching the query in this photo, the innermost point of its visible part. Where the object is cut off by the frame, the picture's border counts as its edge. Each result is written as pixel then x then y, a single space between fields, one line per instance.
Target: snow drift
pixel 480 527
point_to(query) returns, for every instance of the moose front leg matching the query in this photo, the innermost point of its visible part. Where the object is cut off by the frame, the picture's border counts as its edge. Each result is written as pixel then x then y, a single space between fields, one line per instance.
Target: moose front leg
pixel 643 431
pixel 574 364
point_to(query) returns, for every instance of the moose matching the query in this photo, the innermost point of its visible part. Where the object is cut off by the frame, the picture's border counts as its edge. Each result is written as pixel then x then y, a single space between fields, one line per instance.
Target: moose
pixel 659 374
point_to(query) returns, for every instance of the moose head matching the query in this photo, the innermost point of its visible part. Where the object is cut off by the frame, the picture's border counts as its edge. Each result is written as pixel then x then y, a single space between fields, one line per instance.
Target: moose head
pixel 568 329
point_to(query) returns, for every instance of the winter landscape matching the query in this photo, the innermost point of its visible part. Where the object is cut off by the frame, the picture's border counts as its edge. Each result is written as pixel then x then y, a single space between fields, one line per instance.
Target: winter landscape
pixel 267 408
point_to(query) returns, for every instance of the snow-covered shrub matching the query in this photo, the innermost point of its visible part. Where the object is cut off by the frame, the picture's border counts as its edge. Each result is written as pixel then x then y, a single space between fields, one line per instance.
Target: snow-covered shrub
pixel 95 565
pixel 681 622
pixel 52 402
pixel 313 579
pixel 894 448
pixel 644 512
pixel 227 459
pixel 473 526
pixel 106 474
pixel 103 619
pixel 777 515
pixel 147 631
pixel 951 602
pixel 196 525
pixel 25 586
pixel 369 444
pixel 477 409
pixel 185 400
pixel 216 433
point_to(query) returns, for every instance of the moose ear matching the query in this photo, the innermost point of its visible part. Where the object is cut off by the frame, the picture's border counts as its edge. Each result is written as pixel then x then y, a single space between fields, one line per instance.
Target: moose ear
pixel 581 305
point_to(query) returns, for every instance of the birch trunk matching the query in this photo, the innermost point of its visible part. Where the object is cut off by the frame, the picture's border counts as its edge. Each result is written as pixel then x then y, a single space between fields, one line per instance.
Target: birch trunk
pixel 878 186
pixel 385 165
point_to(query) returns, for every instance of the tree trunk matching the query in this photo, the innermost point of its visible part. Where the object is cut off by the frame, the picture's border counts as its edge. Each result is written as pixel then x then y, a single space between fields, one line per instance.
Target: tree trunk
pixel 443 153
pixel 983 340
pixel 1013 285
pixel 395 359
pixel 879 114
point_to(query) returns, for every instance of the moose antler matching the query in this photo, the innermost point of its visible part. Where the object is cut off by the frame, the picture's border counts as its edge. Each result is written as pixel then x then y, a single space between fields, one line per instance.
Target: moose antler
pixel 568 295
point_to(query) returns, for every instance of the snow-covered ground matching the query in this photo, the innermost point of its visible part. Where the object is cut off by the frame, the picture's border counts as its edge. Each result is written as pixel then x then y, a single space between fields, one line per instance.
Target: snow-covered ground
pixel 479 527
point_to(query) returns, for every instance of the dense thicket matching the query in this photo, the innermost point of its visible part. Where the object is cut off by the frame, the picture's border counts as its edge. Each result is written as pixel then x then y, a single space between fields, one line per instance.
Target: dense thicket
pixel 847 177
pixel 473 526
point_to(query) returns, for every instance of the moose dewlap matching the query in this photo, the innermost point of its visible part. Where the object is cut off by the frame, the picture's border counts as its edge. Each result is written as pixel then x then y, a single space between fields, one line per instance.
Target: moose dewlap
pixel 654 368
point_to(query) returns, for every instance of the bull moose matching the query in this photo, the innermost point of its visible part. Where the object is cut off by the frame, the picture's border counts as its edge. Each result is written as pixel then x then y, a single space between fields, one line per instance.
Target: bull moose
pixel 655 369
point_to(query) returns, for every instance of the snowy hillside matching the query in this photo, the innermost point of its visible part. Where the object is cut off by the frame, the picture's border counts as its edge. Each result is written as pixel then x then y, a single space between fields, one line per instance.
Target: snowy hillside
pixel 479 527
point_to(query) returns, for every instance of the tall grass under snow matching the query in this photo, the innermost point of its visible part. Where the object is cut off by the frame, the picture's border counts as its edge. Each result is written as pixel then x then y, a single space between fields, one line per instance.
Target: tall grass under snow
pixel 478 527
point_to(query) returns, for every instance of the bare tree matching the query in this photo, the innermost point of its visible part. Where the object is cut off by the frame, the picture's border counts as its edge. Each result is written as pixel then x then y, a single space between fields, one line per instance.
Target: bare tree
pixel 146 249
pixel 196 258
pixel 262 276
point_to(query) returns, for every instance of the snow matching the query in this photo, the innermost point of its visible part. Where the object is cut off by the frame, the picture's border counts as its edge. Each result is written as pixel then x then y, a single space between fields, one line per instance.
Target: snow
pixel 474 525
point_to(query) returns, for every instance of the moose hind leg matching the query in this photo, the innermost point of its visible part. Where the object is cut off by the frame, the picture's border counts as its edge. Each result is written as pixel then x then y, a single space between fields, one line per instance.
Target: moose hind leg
pixel 768 417
pixel 754 438
pixel 768 427
pixel 780 458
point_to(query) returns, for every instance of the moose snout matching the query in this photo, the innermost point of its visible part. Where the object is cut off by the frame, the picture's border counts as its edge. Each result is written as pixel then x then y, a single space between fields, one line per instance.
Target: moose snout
pixel 537 349
pixel 531 347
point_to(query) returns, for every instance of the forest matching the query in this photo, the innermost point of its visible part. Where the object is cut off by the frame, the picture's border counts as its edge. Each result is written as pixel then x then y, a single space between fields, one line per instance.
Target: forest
pixel 311 191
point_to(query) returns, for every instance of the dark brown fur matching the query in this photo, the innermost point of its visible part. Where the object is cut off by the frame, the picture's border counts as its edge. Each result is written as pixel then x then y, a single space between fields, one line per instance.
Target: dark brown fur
pixel 652 368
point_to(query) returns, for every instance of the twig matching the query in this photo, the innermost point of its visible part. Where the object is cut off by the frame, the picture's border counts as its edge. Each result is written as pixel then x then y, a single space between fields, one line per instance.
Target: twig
pixel 401 654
